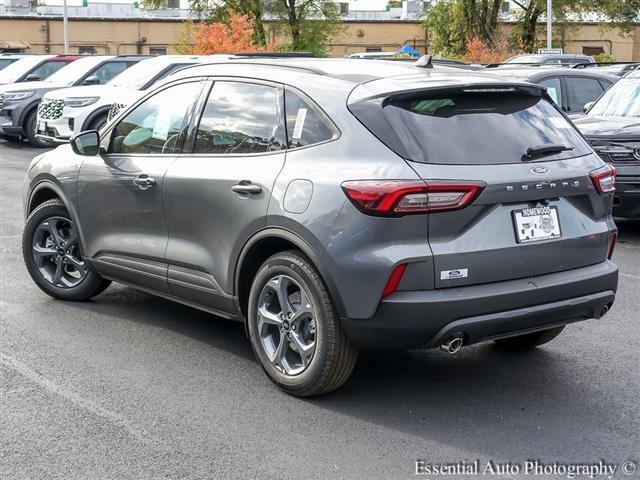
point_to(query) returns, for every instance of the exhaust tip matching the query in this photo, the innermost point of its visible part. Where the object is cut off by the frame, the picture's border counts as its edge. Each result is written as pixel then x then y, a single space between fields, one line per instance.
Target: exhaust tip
pixel 603 312
pixel 451 346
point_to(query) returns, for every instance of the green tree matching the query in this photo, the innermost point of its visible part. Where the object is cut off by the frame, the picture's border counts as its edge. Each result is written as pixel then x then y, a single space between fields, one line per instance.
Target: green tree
pixel 450 23
pixel 445 26
pixel 308 24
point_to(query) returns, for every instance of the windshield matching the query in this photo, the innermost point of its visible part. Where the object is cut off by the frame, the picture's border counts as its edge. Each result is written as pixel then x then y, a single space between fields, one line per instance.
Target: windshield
pixel 621 100
pixel 17 69
pixel 75 70
pixel 136 76
pixel 471 128
pixel 525 59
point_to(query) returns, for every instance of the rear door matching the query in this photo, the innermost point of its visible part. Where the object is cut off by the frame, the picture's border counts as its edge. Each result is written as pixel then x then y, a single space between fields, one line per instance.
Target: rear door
pixel 535 215
pixel 216 196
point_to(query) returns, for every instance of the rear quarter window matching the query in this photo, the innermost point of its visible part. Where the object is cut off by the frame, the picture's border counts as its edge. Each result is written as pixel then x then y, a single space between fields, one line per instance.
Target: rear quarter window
pixel 469 128
pixel 305 124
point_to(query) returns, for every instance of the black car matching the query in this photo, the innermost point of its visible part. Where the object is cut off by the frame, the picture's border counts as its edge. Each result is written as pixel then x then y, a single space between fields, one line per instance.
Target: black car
pixel 612 126
pixel 571 89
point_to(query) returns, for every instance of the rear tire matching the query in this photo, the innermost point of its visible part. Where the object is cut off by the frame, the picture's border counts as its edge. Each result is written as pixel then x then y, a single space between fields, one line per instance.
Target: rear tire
pixel 53 255
pixel 301 346
pixel 30 131
pixel 529 340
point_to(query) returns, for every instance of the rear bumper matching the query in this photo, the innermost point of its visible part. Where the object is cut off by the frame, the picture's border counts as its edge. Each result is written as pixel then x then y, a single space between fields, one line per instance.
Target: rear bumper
pixel 426 319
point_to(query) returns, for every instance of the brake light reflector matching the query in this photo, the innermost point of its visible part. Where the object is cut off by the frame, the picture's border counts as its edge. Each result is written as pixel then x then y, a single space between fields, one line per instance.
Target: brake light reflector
pixel 394 280
pixel 612 244
pixel 395 198
pixel 604 179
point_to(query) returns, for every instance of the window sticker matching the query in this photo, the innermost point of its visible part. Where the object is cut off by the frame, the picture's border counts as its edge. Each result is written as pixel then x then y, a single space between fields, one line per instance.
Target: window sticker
pixel 162 124
pixel 297 129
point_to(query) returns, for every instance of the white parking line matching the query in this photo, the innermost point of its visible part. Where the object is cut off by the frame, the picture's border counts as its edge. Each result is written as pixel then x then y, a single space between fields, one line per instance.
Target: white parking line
pixel 74 398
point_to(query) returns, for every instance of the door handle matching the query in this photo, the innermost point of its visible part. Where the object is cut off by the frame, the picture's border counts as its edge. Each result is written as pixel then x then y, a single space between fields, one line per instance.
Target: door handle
pixel 144 181
pixel 245 186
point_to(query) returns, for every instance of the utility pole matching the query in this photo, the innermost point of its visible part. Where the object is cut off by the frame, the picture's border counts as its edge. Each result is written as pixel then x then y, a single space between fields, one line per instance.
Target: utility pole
pixel 549 23
pixel 65 27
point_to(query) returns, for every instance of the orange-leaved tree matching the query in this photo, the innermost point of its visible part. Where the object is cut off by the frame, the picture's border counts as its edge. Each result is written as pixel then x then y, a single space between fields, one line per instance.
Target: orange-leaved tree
pixel 234 36
pixel 479 52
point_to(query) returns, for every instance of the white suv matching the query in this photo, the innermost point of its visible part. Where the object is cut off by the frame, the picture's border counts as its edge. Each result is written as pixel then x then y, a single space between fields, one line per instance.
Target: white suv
pixel 90 107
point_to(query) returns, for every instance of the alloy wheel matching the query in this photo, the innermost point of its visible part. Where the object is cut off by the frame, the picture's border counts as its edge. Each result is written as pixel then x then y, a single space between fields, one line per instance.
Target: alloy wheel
pixel 56 252
pixel 286 325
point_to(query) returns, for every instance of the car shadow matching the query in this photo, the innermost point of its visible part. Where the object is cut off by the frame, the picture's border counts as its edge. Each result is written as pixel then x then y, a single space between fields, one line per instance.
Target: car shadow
pixel 481 399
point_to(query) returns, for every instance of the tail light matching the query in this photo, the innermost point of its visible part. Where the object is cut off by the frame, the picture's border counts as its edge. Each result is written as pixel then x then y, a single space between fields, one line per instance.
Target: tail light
pixel 604 179
pixel 394 280
pixel 395 198
pixel 612 244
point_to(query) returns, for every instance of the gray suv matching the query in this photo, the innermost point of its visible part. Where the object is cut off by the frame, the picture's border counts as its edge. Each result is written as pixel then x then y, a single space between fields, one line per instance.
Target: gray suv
pixel 332 206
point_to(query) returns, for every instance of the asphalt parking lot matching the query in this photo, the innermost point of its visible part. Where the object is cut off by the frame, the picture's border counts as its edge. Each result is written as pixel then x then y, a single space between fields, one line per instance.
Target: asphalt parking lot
pixel 130 386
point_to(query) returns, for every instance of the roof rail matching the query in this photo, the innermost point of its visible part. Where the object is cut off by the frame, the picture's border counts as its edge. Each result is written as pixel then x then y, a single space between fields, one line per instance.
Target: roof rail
pixel 276 54
pixel 534 65
pixel 240 61
pixel 595 64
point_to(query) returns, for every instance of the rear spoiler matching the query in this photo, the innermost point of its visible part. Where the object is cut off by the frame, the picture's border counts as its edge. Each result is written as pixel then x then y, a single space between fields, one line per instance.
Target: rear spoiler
pixel 379 89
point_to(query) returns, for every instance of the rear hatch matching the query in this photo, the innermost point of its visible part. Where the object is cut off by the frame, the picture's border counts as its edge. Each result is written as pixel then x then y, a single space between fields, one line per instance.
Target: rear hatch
pixel 538 212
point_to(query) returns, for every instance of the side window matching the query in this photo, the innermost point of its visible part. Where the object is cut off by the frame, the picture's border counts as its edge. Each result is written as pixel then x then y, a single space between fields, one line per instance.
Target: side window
pixel 240 118
pixel 47 68
pixel 553 89
pixel 154 126
pixel 107 71
pixel 582 90
pixel 304 125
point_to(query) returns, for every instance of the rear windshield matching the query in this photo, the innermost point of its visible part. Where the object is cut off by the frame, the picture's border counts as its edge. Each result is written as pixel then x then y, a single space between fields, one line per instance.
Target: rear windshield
pixel 470 128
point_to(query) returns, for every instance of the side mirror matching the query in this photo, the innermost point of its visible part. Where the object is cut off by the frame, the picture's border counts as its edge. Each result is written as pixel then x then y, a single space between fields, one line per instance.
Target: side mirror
pixel 92 80
pixel 86 143
pixel 587 106
pixel 32 77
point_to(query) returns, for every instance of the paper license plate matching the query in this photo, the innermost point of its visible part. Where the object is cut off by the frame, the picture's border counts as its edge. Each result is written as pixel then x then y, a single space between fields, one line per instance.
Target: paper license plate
pixel 535 224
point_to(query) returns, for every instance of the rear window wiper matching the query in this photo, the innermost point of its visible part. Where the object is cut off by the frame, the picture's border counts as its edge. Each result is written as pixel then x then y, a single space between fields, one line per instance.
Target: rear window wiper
pixel 541 150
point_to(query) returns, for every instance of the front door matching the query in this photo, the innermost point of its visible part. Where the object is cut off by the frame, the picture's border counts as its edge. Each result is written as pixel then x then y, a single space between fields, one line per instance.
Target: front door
pixel 120 191
pixel 217 195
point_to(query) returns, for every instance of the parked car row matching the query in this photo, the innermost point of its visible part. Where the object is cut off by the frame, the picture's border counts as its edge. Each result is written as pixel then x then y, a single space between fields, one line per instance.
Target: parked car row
pixel 83 93
pixel 19 101
pixel 50 112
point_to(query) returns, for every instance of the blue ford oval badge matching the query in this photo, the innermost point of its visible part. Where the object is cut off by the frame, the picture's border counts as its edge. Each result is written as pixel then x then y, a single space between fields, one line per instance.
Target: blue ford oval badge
pixel 540 170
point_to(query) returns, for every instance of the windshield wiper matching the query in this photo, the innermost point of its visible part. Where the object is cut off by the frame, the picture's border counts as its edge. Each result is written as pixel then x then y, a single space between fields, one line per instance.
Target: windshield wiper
pixel 540 150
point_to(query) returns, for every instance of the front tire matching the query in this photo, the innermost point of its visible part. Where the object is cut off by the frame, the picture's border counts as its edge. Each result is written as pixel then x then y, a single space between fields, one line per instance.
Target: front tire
pixel 529 340
pixel 30 131
pixel 295 330
pixel 53 255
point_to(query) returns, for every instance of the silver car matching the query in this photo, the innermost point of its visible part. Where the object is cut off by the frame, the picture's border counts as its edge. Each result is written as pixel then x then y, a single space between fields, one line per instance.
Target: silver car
pixel 332 206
